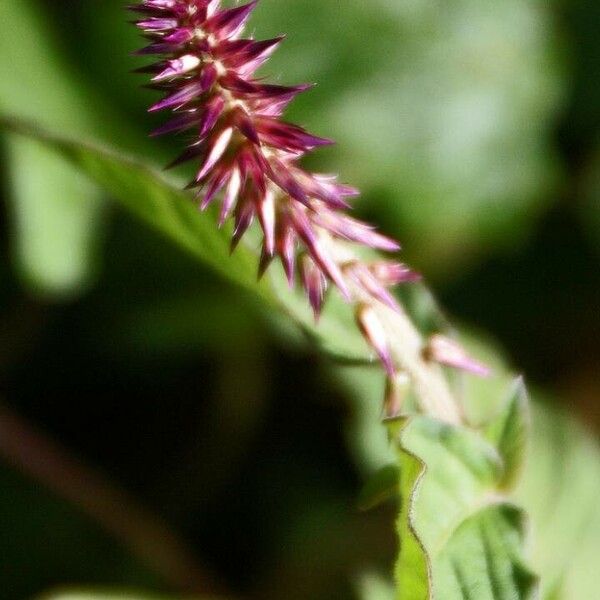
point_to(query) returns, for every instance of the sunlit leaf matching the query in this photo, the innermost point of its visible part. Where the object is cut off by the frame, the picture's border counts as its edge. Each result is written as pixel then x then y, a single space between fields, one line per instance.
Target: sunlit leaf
pixel 374 587
pixel 509 431
pixel 56 211
pixel 57 214
pixel 560 489
pixel 460 539
pixel 163 206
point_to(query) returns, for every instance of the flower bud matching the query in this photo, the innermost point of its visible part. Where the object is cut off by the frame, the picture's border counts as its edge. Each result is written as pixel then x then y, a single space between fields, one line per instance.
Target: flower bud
pixel 375 334
pixel 450 353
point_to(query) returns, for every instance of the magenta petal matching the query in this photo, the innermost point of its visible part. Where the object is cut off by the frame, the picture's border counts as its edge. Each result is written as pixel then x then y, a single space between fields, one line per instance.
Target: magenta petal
pixel 266 216
pixel 281 175
pixel 348 228
pixel 226 23
pixel 178 67
pixel 448 352
pixel 245 152
pixel 237 84
pixel 249 58
pixel 216 151
pixel 246 126
pixel 231 195
pixel 154 24
pixel 212 112
pixel 189 153
pixel 372 286
pixel 390 273
pixel 244 216
pixel 314 283
pixel 208 77
pixel 286 248
pixel 180 123
pixel 303 227
pixel 375 334
pixel 179 98
pixel 213 188
pixel 181 36
pixel 265 262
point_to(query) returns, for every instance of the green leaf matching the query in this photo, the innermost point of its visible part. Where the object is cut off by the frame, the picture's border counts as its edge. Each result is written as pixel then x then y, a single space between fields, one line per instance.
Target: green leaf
pixel 55 209
pixel 509 432
pixel 559 489
pixel 589 208
pixel 460 539
pixel 56 212
pixel 482 558
pixel 150 197
pixel 560 481
pixel 165 207
pixel 381 487
pixel 373 587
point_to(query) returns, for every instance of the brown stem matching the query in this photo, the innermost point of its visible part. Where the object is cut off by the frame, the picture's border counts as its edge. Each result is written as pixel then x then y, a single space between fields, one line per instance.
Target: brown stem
pixel 141 532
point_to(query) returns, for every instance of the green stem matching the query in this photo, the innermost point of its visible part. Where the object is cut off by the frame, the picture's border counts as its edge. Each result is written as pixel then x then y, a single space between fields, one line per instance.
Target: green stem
pixel 431 387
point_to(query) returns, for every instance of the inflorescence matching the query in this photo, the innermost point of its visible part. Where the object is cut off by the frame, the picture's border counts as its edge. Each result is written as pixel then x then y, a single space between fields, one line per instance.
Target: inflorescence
pixel 249 157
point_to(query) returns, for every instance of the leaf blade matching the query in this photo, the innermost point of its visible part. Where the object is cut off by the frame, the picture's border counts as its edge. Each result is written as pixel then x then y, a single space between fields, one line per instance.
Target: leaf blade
pixel 457 481
pixel 509 432
pixel 165 207
pixel 55 211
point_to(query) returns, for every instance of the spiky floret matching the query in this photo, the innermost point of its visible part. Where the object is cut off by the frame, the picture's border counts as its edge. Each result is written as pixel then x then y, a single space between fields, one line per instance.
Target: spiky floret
pixel 249 157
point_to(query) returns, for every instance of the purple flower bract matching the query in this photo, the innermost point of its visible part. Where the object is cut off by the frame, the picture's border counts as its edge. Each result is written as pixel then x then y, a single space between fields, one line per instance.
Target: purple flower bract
pixel 249 157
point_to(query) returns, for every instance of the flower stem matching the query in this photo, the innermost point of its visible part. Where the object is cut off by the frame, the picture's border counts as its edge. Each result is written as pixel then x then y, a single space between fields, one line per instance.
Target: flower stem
pixel 406 346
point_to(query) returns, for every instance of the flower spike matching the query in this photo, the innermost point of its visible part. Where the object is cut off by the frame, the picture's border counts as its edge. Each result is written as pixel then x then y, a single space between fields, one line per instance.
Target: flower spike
pixel 247 156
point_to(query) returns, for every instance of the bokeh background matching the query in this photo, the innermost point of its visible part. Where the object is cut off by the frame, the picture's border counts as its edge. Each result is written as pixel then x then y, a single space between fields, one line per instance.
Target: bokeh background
pixel 473 129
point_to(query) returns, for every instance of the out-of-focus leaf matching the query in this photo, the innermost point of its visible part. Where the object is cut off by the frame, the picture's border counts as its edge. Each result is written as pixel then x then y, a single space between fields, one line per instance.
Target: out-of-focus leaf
pixel 165 207
pixel 56 210
pixel 590 208
pixel 367 439
pixel 381 487
pixel 34 81
pixel 560 489
pixel 56 214
pixel 374 587
pixel 509 431
pixel 559 485
pixel 460 539
pixel 442 112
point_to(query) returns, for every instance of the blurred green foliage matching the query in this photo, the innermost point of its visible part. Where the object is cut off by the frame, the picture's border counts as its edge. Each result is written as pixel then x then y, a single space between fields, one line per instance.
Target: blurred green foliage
pixel 473 131
pixel 442 111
